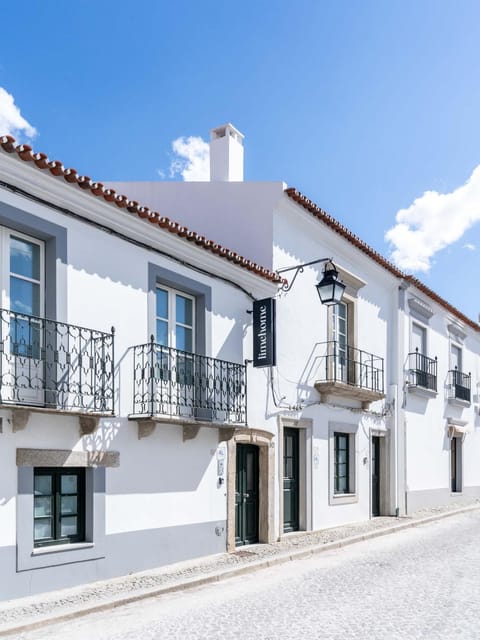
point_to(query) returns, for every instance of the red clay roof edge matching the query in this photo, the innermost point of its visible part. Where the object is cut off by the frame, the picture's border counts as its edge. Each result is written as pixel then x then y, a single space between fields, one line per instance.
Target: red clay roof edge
pixel 339 228
pixel 97 189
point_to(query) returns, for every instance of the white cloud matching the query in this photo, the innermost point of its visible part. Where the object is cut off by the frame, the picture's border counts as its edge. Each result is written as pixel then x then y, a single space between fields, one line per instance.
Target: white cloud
pixel 432 222
pixel 191 159
pixel 469 246
pixel 11 120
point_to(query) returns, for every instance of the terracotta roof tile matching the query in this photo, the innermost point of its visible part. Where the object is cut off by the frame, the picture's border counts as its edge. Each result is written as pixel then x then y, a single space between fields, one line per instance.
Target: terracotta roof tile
pixel 331 222
pixel 56 168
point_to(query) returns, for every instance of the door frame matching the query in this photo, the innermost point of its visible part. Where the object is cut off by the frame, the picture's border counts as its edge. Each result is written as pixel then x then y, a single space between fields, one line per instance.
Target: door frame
pixel 458 438
pixel 247 449
pixel 304 426
pixel 375 461
pixel 295 434
pixel 266 476
pixel 383 476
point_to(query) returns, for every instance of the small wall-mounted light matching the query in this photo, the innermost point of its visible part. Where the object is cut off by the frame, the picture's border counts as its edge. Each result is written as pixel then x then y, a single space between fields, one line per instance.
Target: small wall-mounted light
pixel 330 289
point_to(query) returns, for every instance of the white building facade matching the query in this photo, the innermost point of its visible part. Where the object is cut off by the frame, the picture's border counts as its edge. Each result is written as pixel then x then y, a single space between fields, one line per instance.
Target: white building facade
pixel 439 412
pixel 113 442
pixel 135 430
pixel 349 396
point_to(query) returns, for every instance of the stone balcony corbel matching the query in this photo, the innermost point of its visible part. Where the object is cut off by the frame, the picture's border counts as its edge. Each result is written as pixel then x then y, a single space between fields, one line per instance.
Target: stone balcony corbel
pixel 88 422
pixel 19 419
pixel 146 428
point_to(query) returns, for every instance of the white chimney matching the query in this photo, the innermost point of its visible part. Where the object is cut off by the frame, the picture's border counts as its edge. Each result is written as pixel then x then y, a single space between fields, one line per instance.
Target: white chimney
pixel 226 154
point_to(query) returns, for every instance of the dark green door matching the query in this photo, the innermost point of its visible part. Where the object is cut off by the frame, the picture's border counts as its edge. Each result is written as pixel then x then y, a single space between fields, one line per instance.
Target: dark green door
pixel 246 495
pixel 290 480
pixel 375 476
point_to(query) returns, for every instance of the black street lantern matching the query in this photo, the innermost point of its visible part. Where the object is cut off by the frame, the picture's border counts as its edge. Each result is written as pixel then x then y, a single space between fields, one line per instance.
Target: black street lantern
pixel 330 290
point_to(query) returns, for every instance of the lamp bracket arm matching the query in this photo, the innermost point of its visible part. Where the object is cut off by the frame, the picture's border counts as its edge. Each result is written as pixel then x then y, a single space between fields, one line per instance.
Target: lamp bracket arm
pixel 299 269
pixel 288 285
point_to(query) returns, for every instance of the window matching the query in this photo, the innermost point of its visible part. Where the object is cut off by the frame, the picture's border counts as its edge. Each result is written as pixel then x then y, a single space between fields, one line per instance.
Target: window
pixel 23 293
pixel 34 549
pixel 58 505
pixel 340 335
pixel 455 357
pixel 175 312
pixel 197 292
pixel 25 274
pixel 422 369
pixel 419 339
pixel 341 463
pixel 459 382
pixel 22 285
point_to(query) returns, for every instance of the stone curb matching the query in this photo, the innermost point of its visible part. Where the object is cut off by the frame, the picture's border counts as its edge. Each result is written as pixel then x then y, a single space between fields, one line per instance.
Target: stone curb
pixel 190 583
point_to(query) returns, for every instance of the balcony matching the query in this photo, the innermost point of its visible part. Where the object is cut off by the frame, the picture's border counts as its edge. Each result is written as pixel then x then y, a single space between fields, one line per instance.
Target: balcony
pixel 422 373
pixel 350 372
pixel 52 366
pixel 459 387
pixel 186 387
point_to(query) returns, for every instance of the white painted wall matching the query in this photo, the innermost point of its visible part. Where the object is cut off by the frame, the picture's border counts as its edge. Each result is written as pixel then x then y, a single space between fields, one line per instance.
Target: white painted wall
pixel 163 483
pixel 428 444
pixel 238 215
pixel 415 425
pixel 301 328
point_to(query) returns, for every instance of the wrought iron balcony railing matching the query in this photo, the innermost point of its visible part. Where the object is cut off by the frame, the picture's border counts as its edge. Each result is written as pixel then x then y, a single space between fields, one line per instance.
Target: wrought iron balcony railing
pixel 422 371
pixel 171 382
pixel 50 364
pixel 352 366
pixel 459 385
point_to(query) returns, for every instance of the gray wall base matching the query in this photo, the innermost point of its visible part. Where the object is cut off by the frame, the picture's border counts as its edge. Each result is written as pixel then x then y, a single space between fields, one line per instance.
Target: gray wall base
pixel 125 553
pixel 438 497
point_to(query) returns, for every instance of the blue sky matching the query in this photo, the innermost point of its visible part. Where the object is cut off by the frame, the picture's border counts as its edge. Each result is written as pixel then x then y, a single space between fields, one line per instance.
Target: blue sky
pixel 363 106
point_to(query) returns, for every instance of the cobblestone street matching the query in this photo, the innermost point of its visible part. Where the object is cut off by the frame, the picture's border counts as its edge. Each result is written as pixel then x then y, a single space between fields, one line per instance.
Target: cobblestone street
pixel 417 583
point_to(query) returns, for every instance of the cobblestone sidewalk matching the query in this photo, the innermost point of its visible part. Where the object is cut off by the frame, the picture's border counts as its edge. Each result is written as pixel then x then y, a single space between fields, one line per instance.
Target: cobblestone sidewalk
pixel 35 611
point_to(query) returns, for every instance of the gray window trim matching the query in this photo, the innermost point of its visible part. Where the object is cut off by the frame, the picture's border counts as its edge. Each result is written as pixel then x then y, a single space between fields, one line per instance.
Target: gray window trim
pixel 55 239
pixel 29 557
pixel 351 431
pixel 425 328
pixel 202 293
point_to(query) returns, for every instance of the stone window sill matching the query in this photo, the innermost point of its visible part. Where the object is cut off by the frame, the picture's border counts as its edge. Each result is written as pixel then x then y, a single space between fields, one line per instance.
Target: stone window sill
pixel 59 548
pixel 343 498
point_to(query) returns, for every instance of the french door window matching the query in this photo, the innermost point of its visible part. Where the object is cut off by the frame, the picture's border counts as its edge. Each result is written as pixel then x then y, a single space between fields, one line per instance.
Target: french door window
pixel 419 339
pixel 456 358
pixel 339 334
pixel 175 335
pixel 23 291
pixel 174 319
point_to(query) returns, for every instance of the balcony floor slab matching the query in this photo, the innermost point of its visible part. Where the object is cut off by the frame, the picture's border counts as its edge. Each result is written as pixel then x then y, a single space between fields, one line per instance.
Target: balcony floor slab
pixel 345 390
pixel 422 391
pixel 147 424
pixel 21 415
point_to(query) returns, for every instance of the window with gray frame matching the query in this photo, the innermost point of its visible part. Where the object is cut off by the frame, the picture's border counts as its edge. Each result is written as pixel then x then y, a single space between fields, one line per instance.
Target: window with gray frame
pixel 59 506
pixel 341 463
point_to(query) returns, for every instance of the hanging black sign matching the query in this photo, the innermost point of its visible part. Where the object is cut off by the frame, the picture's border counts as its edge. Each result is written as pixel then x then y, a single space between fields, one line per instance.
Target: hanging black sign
pixel 264 354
